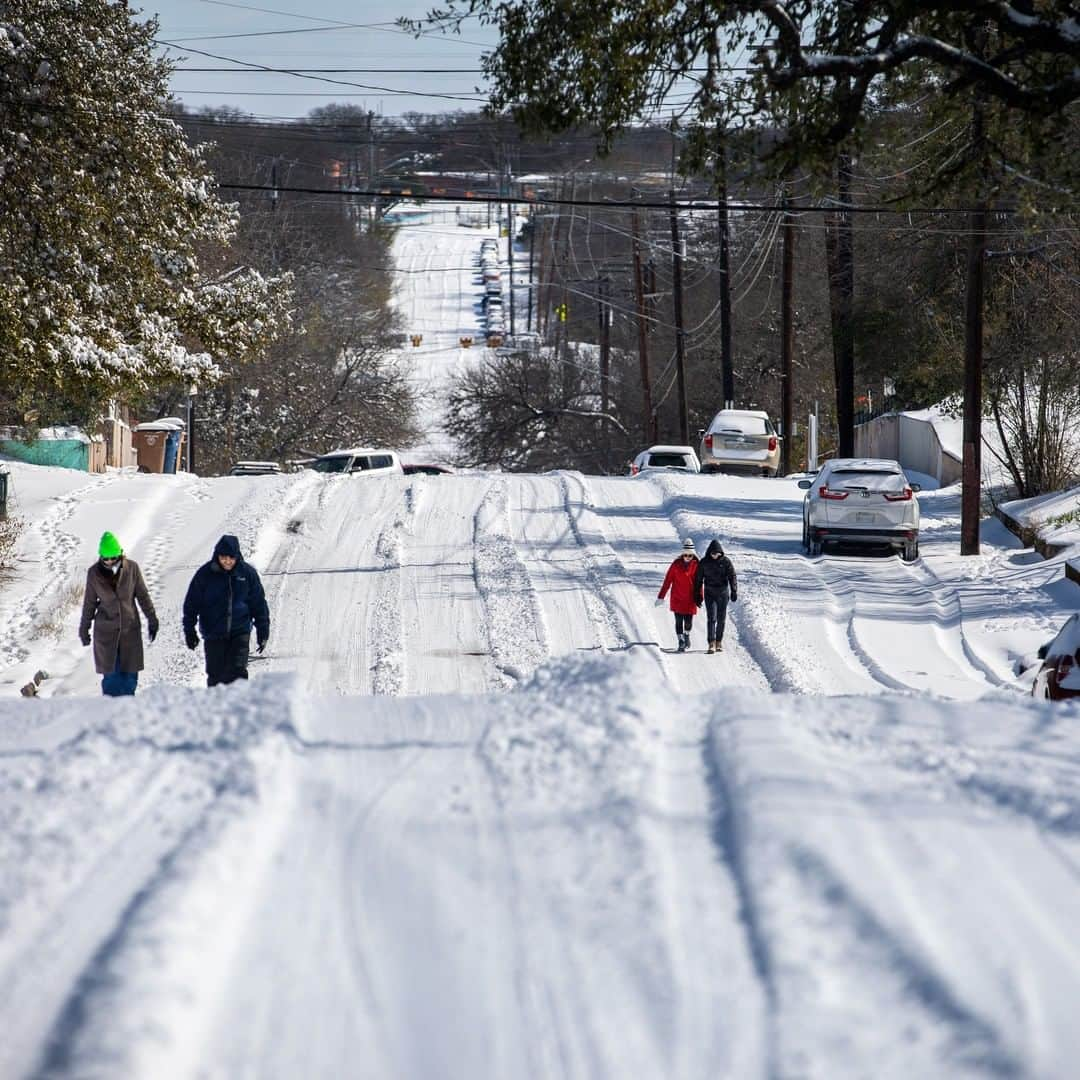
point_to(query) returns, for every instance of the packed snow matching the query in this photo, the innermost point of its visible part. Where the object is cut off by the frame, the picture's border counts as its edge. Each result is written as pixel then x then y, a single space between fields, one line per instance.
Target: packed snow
pixel 474 817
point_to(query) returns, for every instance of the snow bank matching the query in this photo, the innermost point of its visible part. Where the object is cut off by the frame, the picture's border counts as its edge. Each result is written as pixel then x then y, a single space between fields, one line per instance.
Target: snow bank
pixel 1055 518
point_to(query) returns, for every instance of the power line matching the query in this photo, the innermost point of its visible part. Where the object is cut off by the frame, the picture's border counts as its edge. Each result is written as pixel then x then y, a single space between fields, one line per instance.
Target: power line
pixel 314 78
pixel 701 206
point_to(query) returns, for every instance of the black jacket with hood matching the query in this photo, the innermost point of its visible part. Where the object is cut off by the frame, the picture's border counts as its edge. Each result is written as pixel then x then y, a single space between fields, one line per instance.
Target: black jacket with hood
pixel 715 576
pixel 226 602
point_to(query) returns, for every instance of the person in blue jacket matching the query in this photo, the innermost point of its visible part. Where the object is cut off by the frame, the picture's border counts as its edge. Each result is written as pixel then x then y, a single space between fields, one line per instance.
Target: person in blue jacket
pixel 226 598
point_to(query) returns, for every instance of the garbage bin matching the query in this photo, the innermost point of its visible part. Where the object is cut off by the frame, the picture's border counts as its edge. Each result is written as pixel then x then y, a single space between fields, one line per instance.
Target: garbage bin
pixel 172 450
pixel 150 442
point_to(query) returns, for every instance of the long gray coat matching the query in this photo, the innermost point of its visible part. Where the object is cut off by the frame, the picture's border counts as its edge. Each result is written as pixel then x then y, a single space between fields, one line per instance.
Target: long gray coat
pixel 109 604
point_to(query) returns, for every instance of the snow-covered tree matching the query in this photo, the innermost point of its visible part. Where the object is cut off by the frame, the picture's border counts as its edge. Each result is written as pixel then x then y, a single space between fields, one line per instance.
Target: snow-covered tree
pixel 107 216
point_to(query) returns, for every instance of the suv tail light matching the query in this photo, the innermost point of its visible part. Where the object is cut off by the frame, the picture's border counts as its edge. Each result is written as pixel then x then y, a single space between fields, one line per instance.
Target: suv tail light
pixel 772 443
pixel 825 493
pixel 708 441
pixel 899 496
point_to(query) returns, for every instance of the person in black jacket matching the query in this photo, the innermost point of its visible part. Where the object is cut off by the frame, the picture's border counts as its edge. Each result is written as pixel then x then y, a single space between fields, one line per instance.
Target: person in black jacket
pixel 714 582
pixel 226 598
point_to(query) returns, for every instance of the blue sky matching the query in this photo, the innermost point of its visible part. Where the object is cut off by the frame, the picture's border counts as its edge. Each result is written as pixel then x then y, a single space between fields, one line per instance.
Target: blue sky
pixel 399 69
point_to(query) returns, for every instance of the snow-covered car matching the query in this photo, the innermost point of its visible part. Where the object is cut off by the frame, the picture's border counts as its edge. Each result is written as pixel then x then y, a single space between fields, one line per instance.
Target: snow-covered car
pixel 363 459
pixel 740 440
pixel 679 458
pixel 1058 676
pixel 865 501
pixel 255 468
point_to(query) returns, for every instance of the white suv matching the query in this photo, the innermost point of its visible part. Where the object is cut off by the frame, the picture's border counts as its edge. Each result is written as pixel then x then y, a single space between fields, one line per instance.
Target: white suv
pixel 861 501
pixel 363 459
pixel 741 440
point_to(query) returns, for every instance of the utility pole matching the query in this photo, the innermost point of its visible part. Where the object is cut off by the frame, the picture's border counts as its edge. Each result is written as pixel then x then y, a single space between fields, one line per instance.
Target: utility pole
pixel 510 241
pixel 602 286
pixel 727 363
pixel 193 389
pixel 840 259
pixel 680 332
pixel 648 426
pixel 564 318
pixel 971 477
pixel 971 466
pixel 532 249
pixel 787 337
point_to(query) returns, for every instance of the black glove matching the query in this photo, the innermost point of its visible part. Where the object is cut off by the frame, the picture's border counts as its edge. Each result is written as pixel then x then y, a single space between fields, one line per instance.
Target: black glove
pixel 260 644
pixel 734 597
pixel 84 638
pixel 151 630
pixel 191 638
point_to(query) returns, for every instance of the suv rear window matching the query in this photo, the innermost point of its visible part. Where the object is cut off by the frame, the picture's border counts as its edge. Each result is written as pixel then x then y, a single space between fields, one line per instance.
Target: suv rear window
pixel 744 425
pixel 670 461
pixel 870 479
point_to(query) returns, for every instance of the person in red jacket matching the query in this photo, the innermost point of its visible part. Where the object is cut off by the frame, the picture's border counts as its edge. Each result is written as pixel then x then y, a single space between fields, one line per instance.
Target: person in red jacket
pixel 680 581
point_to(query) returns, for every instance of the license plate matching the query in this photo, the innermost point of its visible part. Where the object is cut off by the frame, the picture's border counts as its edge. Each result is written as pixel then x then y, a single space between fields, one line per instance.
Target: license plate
pixel 737 445
pixel 861 517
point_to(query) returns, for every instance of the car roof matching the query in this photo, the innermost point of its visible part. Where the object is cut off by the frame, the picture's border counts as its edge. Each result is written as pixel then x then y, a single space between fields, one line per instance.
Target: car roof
pixel 354 451
pixel 743 412
pixel 864 464
pixel 664 449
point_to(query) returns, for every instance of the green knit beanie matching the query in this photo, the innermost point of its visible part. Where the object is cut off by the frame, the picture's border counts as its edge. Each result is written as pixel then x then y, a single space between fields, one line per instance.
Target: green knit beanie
pixel 109 548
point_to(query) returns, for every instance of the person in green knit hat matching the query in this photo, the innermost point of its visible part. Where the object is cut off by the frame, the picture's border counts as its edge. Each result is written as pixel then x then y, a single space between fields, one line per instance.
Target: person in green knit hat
pixel 114 586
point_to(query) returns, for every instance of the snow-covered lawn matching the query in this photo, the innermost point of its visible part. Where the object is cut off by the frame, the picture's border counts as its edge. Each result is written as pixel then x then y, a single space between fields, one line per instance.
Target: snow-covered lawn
pixel 471 819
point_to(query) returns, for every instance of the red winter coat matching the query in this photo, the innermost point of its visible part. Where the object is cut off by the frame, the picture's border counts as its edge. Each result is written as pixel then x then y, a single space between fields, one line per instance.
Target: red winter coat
pixel 680 580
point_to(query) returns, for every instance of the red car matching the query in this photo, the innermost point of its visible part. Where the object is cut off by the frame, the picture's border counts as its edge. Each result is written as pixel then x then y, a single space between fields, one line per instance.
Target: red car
pixel 1059 673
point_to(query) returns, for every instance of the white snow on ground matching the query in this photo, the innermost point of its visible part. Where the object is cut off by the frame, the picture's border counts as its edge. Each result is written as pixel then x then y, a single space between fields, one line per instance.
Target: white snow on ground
pixel 473 816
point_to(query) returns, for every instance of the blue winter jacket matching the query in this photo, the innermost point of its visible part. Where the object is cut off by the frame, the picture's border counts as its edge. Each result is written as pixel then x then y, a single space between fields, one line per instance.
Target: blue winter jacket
pixel 226 603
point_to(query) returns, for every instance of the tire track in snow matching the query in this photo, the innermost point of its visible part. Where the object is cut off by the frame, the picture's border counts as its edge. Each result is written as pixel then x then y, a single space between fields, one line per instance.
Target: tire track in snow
pixel 803 919
pixel 385 630
pixel 887 591
pixel 557 561
pixel 514 622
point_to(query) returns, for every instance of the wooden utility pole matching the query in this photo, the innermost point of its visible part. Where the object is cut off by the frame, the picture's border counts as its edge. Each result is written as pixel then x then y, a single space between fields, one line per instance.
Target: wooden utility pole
pixel 680 333
pixel 840 259
pixel 727 363
pixel 605 343
pixel 971 464
pixel 532 249
pixel 510 243
pixel 648 420
pixel 971 476
pixel 787 338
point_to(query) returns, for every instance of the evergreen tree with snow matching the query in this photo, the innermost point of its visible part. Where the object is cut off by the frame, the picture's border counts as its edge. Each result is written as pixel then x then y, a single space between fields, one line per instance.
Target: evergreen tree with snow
pixel 114 272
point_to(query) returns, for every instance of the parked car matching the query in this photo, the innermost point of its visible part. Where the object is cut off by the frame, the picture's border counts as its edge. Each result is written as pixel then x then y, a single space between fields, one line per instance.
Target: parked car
pixel 740 440
pixel 255 468
pixel 679 458
pixel 426 469
pixel 861 501
pixel 364 459
pixel 1058 676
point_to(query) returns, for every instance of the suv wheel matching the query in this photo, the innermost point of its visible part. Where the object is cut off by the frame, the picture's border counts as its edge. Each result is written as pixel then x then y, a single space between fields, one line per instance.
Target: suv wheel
pixel 911 550
pixel 813 548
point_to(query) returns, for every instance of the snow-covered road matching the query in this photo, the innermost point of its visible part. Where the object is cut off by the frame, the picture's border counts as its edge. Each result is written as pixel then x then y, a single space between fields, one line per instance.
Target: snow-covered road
pixel 471 819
